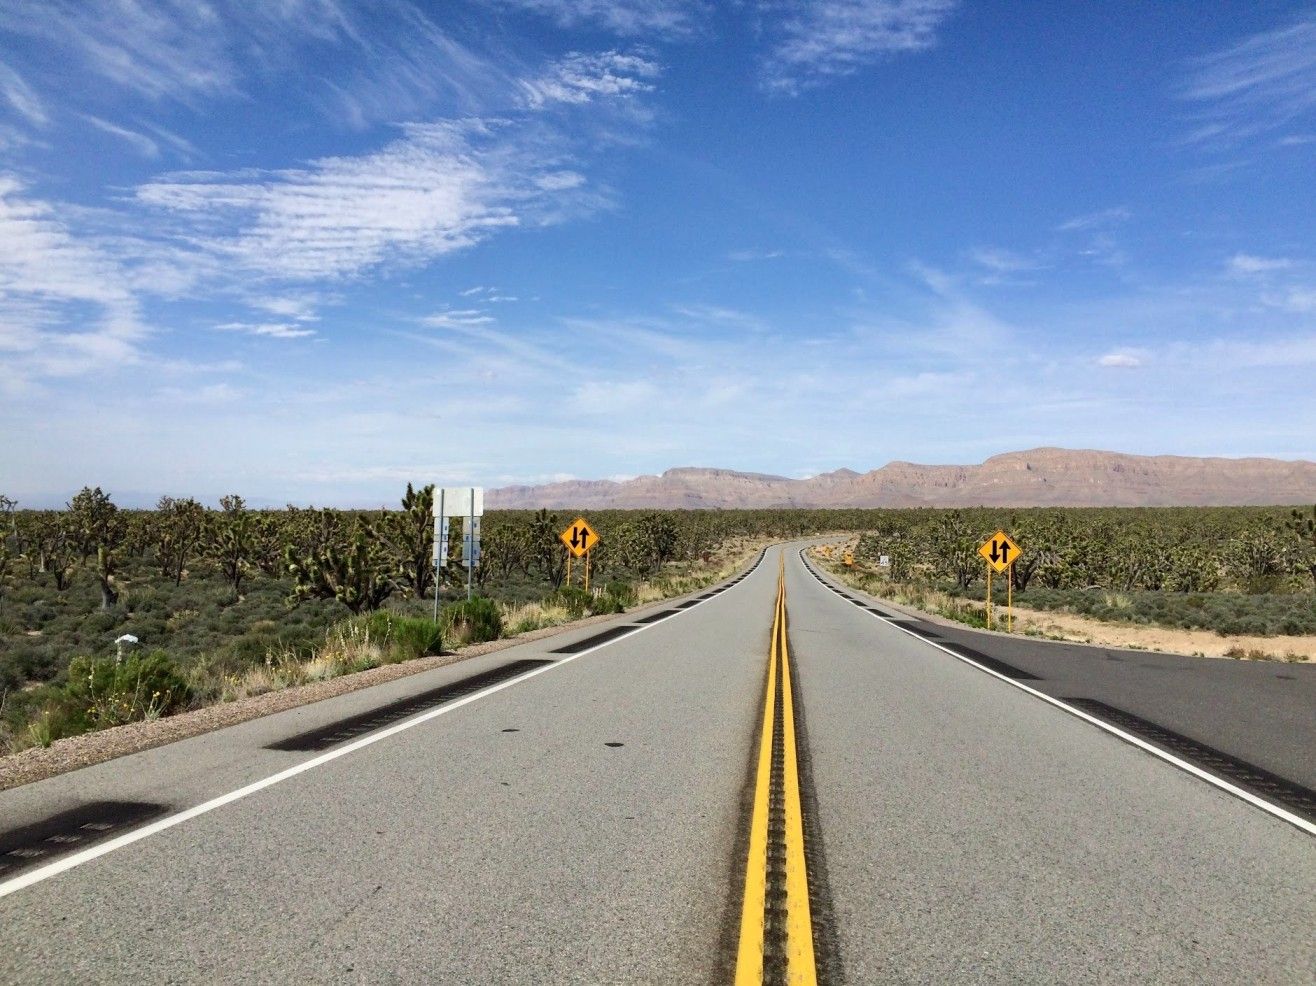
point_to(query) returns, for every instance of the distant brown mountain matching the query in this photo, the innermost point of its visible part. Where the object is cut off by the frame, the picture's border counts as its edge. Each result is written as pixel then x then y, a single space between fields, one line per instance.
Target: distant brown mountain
pixel 1038 478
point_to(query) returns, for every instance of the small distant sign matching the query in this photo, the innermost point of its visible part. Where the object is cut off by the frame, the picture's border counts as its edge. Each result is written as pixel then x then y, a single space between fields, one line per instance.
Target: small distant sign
pixel 883 561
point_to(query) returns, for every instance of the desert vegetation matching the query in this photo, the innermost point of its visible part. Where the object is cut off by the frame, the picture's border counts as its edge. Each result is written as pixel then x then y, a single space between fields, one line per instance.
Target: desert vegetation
pixel 231 601
pixel 1232 570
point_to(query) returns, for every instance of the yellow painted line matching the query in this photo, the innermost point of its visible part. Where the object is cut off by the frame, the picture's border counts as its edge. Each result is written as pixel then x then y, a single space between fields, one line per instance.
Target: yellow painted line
pixel 749 960
pixel 801 967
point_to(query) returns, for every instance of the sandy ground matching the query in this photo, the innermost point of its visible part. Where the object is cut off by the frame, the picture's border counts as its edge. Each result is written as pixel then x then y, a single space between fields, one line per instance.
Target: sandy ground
pixel 1204 642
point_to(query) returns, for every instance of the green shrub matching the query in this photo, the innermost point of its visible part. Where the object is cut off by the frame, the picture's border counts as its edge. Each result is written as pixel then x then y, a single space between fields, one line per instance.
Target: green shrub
pixel 575 600
pixel 472 621
pixel 404 638
pixel 103 692
pixel 623 592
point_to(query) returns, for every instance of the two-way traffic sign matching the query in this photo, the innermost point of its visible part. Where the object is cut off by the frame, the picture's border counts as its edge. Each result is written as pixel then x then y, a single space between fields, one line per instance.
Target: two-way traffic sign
pixel 579 538
pixel 999 551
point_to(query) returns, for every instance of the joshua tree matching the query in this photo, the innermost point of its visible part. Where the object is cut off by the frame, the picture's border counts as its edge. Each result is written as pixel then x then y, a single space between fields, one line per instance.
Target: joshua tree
pixel 179 525
pixel 359 575
pixel 96 526
pixel 228 542
pixel 411 538
pixel 1304 526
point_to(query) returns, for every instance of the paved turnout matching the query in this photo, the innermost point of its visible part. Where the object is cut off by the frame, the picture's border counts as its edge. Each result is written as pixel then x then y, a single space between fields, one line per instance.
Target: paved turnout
pixel 589 822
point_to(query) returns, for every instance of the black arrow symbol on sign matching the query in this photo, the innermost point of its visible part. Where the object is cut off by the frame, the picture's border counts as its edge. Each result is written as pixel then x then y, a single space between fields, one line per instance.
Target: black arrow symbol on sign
pixel 1004 552
pixel 579 537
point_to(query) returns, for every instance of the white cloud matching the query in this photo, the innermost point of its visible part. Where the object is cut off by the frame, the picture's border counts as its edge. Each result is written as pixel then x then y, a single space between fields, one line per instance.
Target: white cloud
pixel 1245 263
pixel 1300 300
pixel 626 17
pixel 49 281
pixel 1264 83
pixel 441 187
pixel 1120 360
pixel 272 330
pixel 215 393
pixel 299 307
pixel 376 62
pixel 1096 220
pixel 488 295
pixel 19 95
pixel 1003 261
pixel 582 78
pixel 462 318
pixel 143 144
pixel 748 256
pixel 824 39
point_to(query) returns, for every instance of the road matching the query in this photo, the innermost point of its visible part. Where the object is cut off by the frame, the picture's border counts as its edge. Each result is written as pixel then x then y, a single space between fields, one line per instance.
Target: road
pixel 590 820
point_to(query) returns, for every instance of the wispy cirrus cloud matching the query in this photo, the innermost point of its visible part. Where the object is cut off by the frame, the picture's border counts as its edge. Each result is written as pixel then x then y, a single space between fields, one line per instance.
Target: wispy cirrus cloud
pixel 583 78
pixel 20 97
pixel 66 306
pixel 818 40
pixel 677 18
pixel 140 142
pixel 1100 219
pixel 1120 361
pixel 998 260
pixel 439 188
pixel 1247 264
pixel 164 52
pixel 270 330
pixel 1262 84
pixel 458 318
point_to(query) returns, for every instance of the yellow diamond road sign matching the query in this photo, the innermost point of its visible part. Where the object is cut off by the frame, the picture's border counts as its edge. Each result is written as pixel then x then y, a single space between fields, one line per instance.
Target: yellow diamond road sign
pixel 999 551
pixel 579 538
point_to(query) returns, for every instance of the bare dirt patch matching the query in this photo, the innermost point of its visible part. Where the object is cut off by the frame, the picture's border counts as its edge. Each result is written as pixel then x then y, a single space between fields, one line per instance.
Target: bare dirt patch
pixel 1201 642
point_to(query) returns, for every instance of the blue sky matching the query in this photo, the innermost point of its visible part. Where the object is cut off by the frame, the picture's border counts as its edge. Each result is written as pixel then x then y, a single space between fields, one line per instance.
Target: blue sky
pixel 313 249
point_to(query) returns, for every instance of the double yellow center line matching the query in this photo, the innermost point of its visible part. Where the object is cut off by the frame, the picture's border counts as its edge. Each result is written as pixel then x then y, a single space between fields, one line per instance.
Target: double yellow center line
pixel 776 929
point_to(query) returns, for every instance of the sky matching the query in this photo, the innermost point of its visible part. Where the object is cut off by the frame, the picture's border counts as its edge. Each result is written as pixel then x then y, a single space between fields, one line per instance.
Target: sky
pixel 310 250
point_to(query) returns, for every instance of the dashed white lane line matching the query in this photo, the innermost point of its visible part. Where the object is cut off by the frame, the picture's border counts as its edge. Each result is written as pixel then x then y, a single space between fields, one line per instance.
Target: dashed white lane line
pixel 1271 809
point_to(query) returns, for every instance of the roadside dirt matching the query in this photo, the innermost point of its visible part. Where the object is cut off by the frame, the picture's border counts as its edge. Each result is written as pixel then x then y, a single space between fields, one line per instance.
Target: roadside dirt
pixel 1085 630
pixel 1202 642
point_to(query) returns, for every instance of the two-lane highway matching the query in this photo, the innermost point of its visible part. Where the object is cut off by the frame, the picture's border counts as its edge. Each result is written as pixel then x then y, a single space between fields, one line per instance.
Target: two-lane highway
pixel 591 820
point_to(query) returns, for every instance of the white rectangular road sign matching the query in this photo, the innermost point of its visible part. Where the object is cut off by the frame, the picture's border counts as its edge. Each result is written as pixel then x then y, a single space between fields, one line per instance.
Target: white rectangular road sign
pixel 441 541
pixel 459 501
pixel 471 544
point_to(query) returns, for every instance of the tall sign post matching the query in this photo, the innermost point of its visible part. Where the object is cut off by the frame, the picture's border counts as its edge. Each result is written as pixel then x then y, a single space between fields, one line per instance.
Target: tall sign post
pixel 1000 553
pixel 580 540
pixel 466 502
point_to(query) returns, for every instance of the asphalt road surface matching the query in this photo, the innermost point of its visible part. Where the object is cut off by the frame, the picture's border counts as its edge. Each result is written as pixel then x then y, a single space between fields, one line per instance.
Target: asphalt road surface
pixel 587 822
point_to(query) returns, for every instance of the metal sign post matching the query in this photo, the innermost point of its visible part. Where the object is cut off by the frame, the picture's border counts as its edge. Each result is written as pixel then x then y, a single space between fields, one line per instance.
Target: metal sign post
pixel 466 502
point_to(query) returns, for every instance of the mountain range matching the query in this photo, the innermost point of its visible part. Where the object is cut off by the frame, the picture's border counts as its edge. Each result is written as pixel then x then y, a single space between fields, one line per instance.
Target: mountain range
pixel 1042 477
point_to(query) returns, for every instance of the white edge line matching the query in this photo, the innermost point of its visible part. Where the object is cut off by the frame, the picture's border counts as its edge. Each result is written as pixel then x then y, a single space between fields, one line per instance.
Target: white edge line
pixel 1184 765
pixel 66 863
